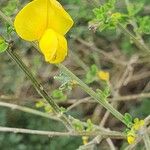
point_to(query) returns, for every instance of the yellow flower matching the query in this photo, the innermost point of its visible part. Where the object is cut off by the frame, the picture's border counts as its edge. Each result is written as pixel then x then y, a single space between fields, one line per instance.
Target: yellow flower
pixel 131 139
pixel 47 22
pixel 132 134
pixel 137 124
pixel 85 139
pixel 103 75
pixel 39 104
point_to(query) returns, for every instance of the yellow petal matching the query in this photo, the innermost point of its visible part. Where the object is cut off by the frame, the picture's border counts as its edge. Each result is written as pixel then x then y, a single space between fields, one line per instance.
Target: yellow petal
pixel 61 51
pixel 31 21
pixel 103 75
pixel 131 139
pixel 49 44
pixel 58 19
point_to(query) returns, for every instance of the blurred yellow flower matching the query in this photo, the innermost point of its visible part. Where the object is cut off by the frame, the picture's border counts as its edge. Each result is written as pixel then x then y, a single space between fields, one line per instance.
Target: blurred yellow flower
pixel 103 75
pixel 85 139
pixel 47 22
pixel 132 134
pixel 137 124
pixel 131 139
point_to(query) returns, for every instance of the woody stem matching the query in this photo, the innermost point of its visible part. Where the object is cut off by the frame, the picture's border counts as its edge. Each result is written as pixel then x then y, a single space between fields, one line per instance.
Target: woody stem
pixel 40 88
pixel 93 94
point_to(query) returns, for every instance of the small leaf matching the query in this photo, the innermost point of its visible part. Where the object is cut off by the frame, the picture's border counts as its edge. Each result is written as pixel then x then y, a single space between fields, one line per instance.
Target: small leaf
pixel 89 125
pixel 91 74
pixel 144 23
pixel 135 7
pixel 3 45
pixel 105 93
pixel 63 110
pixel 128 119
pixel 48 109
pixel 59 95
pixel 78 125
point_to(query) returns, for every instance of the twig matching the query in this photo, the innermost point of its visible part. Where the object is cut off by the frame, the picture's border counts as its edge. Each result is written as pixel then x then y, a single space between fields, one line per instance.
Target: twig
pixel 6 18
pixel 140 76
pixel 28 110
pixel 146 139
pixel 115 135
pixel 111 145
pixel 102 52
pixel 136 41
pixel 75 103
pixel 87 99
pixel 79 61
pixel 91 144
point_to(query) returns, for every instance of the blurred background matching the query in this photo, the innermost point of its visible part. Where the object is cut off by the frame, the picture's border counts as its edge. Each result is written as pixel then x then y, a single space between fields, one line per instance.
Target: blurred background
pixel 107 50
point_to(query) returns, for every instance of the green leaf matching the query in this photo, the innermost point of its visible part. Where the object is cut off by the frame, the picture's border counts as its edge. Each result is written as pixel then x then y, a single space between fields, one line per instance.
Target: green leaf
pixel 91 74
pixel 3 45
pixel 105 93
pixel 63 110
pixel 89 125
pixel 10 7
pixel 59 95
pixel 144 23
pixel 103 15
pixel 135 7
pixel 128 119
pixel 78 125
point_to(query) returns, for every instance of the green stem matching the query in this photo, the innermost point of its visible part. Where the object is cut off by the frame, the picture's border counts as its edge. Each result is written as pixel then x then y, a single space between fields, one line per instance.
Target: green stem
pixel 94 95
pixel 40 89
pixel 138 43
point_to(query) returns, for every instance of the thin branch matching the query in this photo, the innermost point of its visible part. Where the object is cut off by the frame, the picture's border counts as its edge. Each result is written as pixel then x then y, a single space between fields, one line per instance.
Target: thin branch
pixel 91 144
pixel 29 110
pixel 45 115
pixel 146 139
pixel 113 134
pixel 138 43
pixel 75 103
pixel 111 144
pixel 101 52
pixel 79 61
pixel 5 18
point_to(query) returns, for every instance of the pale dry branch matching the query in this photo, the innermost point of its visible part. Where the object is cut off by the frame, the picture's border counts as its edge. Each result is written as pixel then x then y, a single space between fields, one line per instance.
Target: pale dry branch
pixel 112 134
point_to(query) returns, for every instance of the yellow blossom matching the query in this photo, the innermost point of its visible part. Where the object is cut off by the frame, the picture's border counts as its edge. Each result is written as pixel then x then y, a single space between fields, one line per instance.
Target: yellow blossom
pixel 131 139
pixel 47 22
pixel 39 104
pixel 131 135
pixel 85 139
pixel 137 124
pixel 103 75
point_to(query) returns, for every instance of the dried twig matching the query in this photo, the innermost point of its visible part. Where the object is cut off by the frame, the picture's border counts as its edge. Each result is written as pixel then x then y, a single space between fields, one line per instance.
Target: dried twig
pixel 112 134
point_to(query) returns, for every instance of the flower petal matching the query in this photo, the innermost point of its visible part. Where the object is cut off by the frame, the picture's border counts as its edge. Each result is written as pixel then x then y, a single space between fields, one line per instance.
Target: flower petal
pixel 61 51
pixel 49 44
pixel 31 21
pixel 59 19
